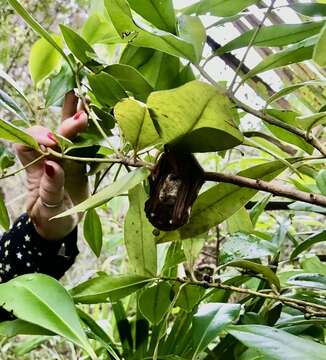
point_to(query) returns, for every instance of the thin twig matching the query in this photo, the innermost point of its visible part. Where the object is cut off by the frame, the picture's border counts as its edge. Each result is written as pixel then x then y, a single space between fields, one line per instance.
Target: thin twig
pixel 252 40
pixel 23 168
pixel 270 187
pixel 304 306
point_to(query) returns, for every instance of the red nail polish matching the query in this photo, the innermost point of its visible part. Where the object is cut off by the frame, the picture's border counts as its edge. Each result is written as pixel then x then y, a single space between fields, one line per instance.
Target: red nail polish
pixel 78 115
pixel 51 137
pixel 49 170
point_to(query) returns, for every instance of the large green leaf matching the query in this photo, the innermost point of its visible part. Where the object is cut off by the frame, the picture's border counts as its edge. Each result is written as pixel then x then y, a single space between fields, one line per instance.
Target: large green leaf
pixel 289 89
pixel 309 9
pixel 4 216
pixel 320 49
pixel 275 35
pixel 154 302
pixel 44 59
pixel 209 321
pixel 159 13
pixel 288 117
pixel 221 201
pixel 37 27
pixel 221 8
pixel 21 327
pixel 49 306
pixel 160 69
pixel 128 30
pixel 308 243
pixel 307 122
pixel 310 280
pixel 136 124
pixel 192 30
pixel 189 296
pixel 195 117
pixel 106 88
pixel 93 231
pixel 122 185
pixel 105 288
pixel 277 344
pixel 77 45
pixel 321 181
pixel 131 80
pixel 138 235
pixel 96 29
pixel 257 268
pixel 294 54
pixel 60 84
pixel 14 134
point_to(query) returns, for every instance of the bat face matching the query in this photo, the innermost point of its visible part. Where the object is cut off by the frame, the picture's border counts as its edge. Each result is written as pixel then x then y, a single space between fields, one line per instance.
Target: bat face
pixel 174 185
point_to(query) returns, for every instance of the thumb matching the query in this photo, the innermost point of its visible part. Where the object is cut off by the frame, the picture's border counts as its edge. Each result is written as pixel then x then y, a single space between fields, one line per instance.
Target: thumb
pixel 51 189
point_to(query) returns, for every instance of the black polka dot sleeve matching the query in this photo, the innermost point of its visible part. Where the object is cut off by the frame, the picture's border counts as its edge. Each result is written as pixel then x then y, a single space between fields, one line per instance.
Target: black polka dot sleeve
pixel 23 250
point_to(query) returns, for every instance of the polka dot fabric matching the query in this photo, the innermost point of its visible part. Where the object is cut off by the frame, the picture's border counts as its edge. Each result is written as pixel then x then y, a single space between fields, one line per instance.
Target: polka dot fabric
pixel 23 250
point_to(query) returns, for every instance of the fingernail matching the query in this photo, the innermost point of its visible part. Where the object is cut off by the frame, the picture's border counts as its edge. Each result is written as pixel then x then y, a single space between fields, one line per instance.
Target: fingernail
pixel 43 148
pixel 49 169
pixel 51 137
pixel 78 115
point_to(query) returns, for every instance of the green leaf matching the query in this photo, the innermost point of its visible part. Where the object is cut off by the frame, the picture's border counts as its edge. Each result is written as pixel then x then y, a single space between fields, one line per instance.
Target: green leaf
pixel 221 201
pixel 77 45
pixel 192 248
pixel 209 321
pixel 13 84
pixel 10 104
pixel 289 117
pixel 307 122
pixel 104 288
pixel 4 216
pixel 136 124
pixel 277 344
pixel 106 88
pixel 49 306
pixel 289 89
pixel 159 13
pixel 131 80
pixel 96 29
pixel 275 35
pixel 20 327
pixel 241 246
pixel 154 302
pixel 122 185
pixel 221 8
pixel 308 243
pixel 138 235
pixel 257 268
pixel 128 30
pixel 321 181
pixel 60 84
pixel 195 117
pixel 309 9
pixel 316 281
pixel 44 59
pixel 93 231
pixel 14 134
pixel 160 70
pixel 189 296
pixel 294 54
pixel 320 49
pixel 258 209
pixel 240 221
pixel 312 264
pixel 192 30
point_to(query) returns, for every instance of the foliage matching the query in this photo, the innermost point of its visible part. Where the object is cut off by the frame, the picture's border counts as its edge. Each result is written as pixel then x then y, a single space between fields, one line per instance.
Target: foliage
pixel 143 66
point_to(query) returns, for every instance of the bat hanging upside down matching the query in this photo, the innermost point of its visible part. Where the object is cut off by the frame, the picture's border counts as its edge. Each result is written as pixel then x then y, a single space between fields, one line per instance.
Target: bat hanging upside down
pixel 174 185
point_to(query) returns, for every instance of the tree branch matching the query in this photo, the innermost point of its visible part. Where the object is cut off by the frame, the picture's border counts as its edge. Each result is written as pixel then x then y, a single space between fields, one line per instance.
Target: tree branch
pixel 304 306
pixel 269 187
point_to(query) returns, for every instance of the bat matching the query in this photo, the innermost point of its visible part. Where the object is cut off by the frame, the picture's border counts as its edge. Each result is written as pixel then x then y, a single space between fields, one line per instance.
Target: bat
pixel 174 185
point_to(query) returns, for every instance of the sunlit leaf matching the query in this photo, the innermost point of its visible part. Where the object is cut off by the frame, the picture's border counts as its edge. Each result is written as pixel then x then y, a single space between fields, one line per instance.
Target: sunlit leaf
pixel 93 231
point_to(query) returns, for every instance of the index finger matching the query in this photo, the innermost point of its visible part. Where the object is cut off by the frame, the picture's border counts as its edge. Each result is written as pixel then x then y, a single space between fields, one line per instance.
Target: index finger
pixel 70 105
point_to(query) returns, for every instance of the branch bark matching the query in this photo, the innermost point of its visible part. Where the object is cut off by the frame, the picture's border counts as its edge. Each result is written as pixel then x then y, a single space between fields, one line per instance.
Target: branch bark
pixel 269 187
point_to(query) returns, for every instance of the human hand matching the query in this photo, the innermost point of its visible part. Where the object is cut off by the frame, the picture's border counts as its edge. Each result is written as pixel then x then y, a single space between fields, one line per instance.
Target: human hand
pixel 54 186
